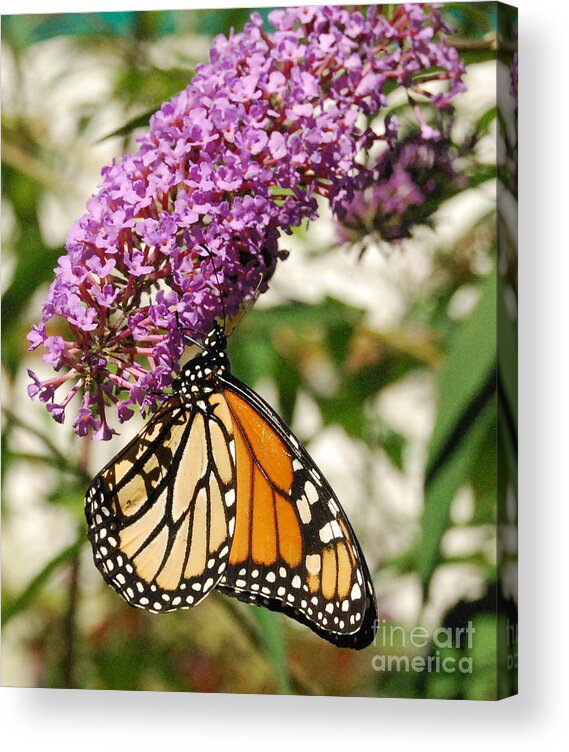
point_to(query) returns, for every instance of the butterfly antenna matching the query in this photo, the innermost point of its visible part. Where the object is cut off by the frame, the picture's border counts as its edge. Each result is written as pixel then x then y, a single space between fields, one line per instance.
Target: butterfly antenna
pixel 187 337
pixel 250 302
pixel 219 290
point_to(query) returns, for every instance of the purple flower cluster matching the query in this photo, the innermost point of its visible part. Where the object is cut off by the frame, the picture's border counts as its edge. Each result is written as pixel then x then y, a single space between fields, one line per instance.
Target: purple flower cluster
pixel 186 229
pixel 409 181
pixel 509 132
pixel 514 78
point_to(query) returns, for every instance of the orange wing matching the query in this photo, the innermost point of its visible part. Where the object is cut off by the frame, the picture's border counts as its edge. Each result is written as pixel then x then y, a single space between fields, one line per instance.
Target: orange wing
pixel 293 549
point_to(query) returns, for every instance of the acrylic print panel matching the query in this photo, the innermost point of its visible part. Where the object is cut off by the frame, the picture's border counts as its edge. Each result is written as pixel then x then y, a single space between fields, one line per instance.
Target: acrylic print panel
pixel 334 190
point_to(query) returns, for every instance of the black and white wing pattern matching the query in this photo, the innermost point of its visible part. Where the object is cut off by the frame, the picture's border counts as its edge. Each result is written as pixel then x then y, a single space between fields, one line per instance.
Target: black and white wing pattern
pixel 161 515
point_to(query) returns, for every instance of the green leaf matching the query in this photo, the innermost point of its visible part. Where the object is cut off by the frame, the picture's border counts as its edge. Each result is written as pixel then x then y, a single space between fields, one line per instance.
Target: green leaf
pixel 442 490
pixel 482 175
pixel 427 74
pixel 300 316
pixel 393 444
pixel 343 410
pixel 507 450
pixel 484 482
pixel 507 356
pixel 484 658
pixel 485 121
pixel 476 55
pixel 34 263
pixel 470 364
pixel 13 607
pixel 466 421
pixel 286 379
pixel 271 635
pixel 471 19
pixel 138 121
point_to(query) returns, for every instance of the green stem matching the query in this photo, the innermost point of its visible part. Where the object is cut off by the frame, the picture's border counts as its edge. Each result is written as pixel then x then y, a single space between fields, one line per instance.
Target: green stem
pixel 14 607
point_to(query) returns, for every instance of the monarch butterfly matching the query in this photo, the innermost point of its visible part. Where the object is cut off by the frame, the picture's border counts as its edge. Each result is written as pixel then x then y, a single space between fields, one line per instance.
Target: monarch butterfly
pixel 217 492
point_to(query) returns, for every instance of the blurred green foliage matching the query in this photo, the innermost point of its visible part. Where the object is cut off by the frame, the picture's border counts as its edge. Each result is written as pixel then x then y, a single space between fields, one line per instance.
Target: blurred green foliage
pixel 75 632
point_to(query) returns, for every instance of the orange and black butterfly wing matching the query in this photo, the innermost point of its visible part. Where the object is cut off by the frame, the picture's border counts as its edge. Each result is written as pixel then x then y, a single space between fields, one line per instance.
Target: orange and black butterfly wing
pixel 161 515
pixel 293 549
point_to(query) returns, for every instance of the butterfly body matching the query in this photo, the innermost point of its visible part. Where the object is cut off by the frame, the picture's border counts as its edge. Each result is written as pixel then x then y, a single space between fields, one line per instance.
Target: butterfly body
pixel 216 492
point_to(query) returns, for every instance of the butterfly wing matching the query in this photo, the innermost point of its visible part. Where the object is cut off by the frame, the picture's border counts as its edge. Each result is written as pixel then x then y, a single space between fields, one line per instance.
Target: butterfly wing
pixel 161 515
pixel 293 549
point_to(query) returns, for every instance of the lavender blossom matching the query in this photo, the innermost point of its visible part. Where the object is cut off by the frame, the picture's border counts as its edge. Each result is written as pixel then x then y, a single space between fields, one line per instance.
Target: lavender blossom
pixel 404 187
pixel 187 228
pixel 514 78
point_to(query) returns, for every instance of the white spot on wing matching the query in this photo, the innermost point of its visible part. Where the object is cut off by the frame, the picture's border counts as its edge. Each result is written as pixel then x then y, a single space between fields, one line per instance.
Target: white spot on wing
pixel 304 510
pixel 326 533
pixel 310 491
pixel 336 529
pixel 313 563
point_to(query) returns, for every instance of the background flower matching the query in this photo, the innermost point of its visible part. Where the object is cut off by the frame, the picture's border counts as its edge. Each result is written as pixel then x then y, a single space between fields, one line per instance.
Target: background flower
pixel 407 183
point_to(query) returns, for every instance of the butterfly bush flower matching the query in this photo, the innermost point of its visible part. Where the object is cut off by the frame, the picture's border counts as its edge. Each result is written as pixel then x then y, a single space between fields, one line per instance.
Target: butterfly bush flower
pixel 186 228
pixel 514 78
pixel 408 183
pixel 511 171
